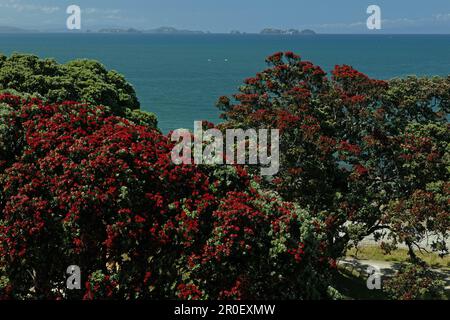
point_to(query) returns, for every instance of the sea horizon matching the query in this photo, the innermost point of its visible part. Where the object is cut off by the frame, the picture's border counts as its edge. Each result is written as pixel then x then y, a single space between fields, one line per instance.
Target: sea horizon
pixel 179 77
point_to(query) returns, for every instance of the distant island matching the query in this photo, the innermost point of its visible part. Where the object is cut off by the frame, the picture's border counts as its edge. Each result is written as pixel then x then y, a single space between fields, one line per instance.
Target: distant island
pixel 118 30
pixel 6 29
pixel 237 32
pixel 171 30
pixel 161 30
pixel 273 31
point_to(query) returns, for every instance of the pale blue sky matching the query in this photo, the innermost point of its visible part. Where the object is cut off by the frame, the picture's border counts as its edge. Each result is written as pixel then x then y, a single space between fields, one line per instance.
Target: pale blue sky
pixel 325 16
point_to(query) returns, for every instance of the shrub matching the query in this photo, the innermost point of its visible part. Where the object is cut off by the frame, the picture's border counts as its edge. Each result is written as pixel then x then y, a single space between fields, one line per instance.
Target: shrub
pixel 415 282
pixel 98 191
pixel 79 80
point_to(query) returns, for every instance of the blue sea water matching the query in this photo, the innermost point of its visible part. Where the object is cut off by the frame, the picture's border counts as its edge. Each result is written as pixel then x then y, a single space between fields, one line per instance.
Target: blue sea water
pixel 180 77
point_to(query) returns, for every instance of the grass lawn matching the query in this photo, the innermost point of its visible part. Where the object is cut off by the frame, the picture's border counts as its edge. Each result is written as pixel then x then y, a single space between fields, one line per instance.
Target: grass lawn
pixel 399 255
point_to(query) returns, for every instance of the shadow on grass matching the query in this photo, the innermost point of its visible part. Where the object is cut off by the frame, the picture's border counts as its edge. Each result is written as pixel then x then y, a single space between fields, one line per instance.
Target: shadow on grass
pixel 355 288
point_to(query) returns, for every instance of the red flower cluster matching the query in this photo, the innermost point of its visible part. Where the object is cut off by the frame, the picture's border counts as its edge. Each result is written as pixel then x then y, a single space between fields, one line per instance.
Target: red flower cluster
pixel 95 190
pixel 189 292
pixel 349 148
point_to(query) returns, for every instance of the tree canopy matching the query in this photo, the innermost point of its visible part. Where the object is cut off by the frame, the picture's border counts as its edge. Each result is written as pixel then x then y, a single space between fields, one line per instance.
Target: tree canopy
pixel 355 149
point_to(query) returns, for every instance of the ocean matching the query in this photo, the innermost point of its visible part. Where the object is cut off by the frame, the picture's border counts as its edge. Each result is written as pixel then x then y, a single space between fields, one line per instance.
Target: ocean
pixel 180 77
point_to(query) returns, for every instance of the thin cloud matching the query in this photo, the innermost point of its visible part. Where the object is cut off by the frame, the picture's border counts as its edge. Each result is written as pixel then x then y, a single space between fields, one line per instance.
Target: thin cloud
pixel 19 6
pixel 389 23
pixel 442 16
pixel 101 11
pixel 106 14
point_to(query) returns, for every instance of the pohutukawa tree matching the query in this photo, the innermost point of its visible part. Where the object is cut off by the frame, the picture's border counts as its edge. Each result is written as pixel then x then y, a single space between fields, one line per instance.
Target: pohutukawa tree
pixel 98 191
pixel 364 155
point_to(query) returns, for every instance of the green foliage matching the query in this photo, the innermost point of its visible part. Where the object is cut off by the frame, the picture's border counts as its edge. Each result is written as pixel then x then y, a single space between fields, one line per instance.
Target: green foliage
pixel 79 80
pixel 418 99
pixel 420 210
pixel 354 148
pixel 142 118
pixel 11 137
pixel 414 282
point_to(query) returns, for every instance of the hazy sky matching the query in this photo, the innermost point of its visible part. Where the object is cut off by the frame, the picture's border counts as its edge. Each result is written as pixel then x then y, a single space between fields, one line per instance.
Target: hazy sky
pixel 325 16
